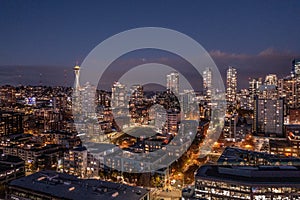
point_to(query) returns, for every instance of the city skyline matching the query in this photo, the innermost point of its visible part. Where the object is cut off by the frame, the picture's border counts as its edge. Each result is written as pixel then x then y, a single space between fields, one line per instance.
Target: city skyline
pixel 149 100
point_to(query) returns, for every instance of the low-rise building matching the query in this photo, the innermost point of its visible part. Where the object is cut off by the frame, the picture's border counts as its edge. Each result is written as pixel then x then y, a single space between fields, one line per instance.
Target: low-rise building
pixel 11 167
pixel 75 161
pixel 48 185
pixel 236 156
pixel 215 182
pixel 31 152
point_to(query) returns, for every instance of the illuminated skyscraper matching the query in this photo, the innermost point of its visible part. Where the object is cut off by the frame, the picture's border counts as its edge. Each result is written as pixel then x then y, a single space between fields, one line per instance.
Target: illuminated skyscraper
pixel 136 104
pixel 172 121
pixel 289 88
pixel 231 86
pixel 207 83
pixel 87 94
pixel 268 92
pixel 173 82
pixel 118 96
pixel 136 93
pixel 187 99
pixel 296 68
pixel 77 73
pixel 229 131
pixel 254 85
pixel 271 79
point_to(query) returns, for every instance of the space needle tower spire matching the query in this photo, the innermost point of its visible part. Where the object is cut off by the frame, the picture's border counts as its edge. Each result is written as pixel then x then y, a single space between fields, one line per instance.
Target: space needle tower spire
pixel 77 73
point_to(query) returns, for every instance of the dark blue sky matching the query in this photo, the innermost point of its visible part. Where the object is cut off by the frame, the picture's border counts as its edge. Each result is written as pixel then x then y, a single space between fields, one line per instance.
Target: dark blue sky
pixel 58 33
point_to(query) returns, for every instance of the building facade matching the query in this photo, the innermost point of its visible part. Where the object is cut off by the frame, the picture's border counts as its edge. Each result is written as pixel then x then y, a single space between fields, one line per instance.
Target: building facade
pixel 269 116
pixel 75 161
pixel 207 83
pixel 173 82
pixel 244 182
pixel 118 96
pixel 231 83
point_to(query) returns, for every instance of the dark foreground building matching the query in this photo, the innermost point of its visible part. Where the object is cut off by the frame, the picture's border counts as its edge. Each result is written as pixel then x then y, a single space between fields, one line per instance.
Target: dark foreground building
pixel 11 167
pixel 50 185
pixel 244 182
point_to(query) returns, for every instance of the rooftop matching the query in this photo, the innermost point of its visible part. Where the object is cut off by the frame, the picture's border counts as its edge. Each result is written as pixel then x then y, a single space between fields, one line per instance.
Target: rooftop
pixel 237 156
pixel 9 159
pixel 66 186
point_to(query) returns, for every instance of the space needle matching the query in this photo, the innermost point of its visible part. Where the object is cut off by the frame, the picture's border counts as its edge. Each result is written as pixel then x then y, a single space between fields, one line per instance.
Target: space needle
pixel 77 73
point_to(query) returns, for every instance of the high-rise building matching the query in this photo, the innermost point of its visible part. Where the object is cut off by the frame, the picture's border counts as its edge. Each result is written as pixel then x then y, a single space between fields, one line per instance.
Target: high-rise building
pixel 172 121
pixel 289 88
pixel 160 120
pixel 120 105
pixel 268 92
pixel 207 83
pixel 186 101
pixel 271 79
pixel 254 85
pixel 7 96
pixel 137 107
pixel 11 123
pixel 231 83
pixel 269 116
pixel 173 82
pixel 296 68
pixel 297 92
pixel 118 96
pixel 229 130
pixel 136 92
pixel 243 99
pixel 87 94
pixel 103 98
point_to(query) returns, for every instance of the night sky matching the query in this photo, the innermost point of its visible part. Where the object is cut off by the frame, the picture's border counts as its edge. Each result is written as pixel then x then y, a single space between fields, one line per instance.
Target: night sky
pixel 43 40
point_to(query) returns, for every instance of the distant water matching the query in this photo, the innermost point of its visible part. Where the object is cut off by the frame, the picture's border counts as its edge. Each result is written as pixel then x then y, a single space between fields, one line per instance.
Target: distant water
pixel 36 75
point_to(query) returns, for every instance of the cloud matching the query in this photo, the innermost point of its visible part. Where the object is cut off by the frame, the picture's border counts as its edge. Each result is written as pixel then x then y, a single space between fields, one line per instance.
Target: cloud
pixel 221 54
pixel 248 66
